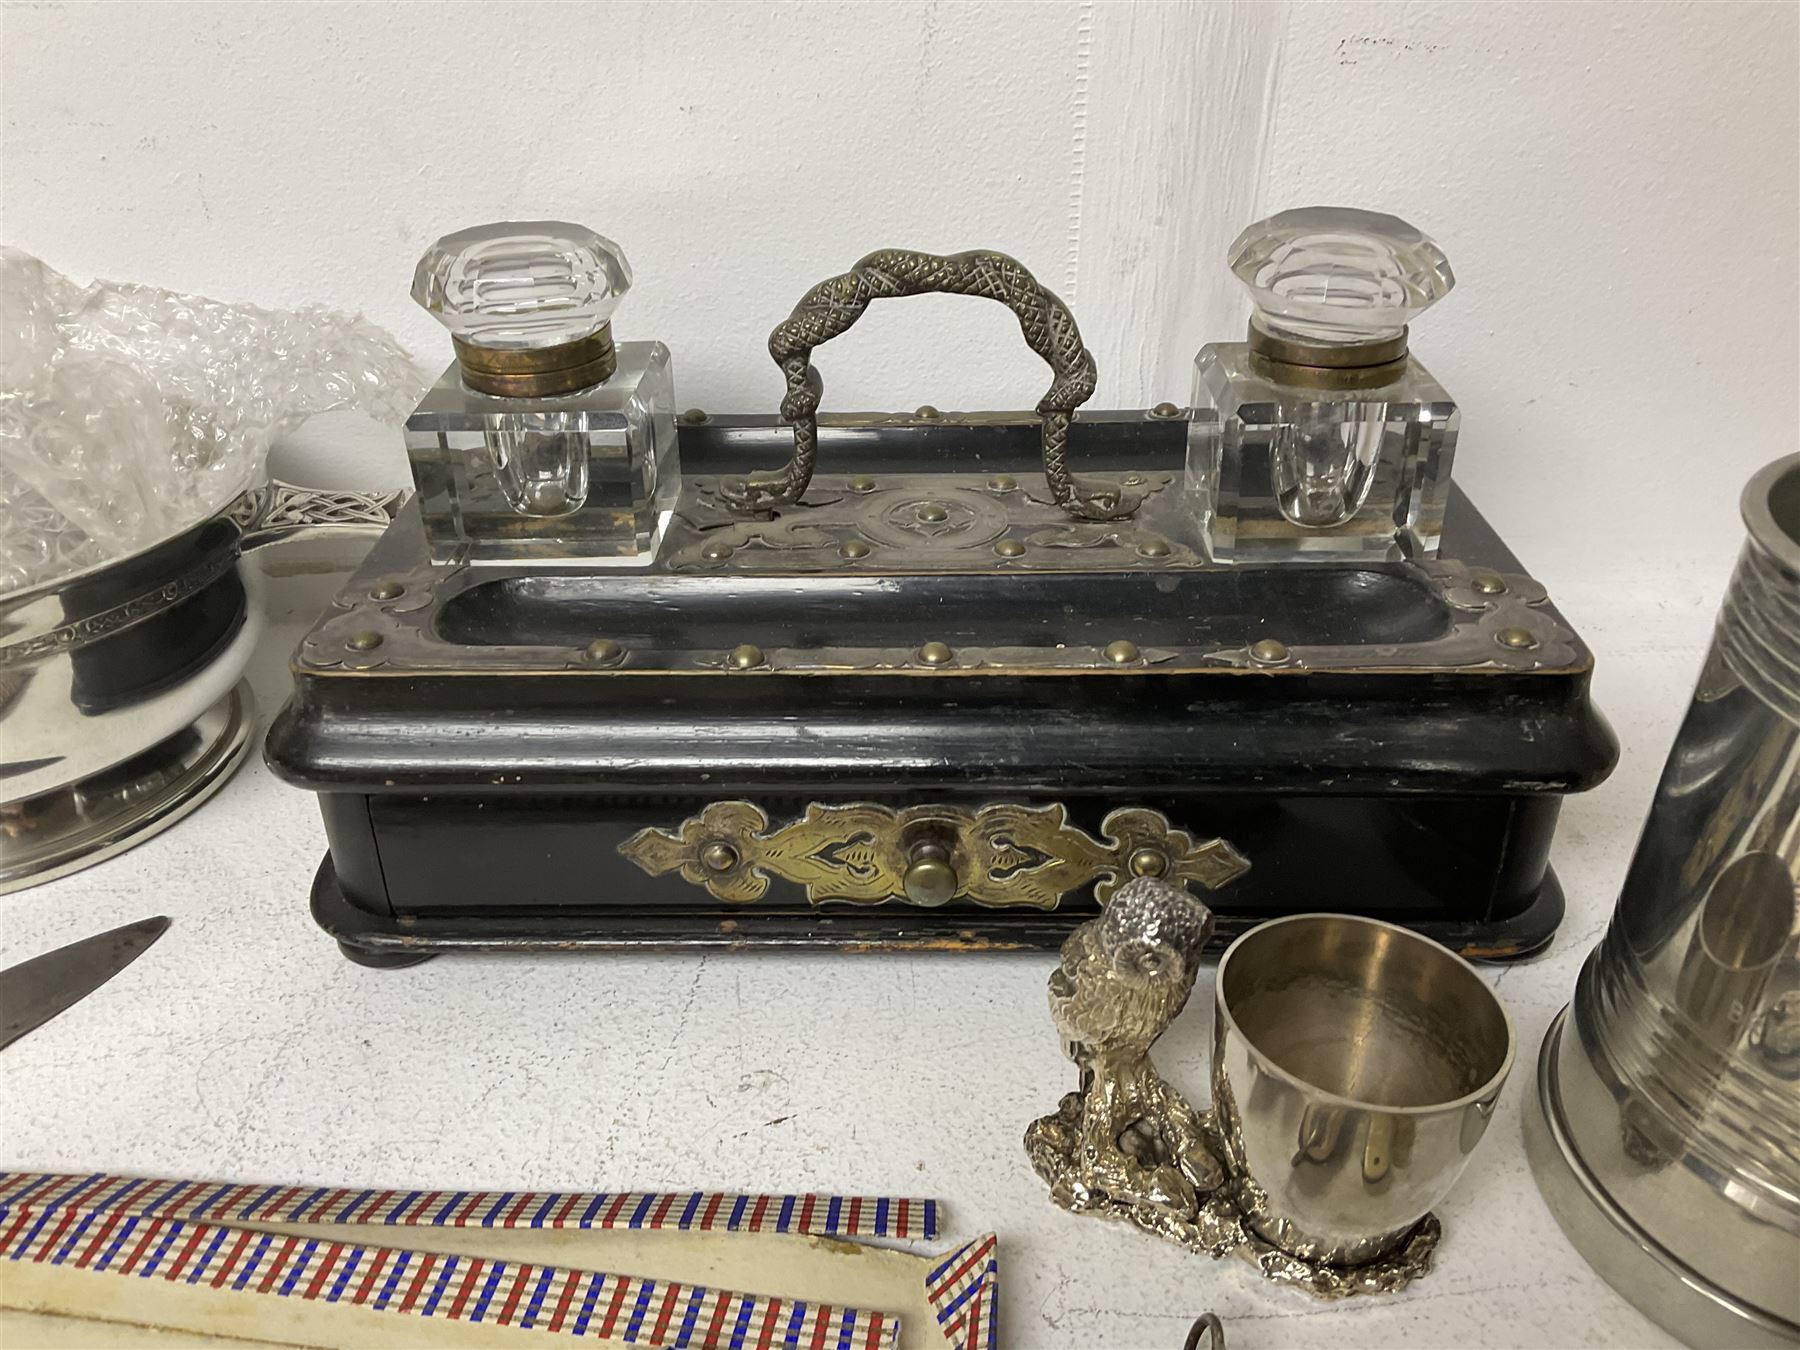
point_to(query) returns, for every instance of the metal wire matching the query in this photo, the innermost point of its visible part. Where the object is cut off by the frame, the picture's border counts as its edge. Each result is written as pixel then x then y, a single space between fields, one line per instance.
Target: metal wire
pixel 1209 1323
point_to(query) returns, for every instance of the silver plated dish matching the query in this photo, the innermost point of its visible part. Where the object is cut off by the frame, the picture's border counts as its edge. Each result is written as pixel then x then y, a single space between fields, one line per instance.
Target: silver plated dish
pixel 122 703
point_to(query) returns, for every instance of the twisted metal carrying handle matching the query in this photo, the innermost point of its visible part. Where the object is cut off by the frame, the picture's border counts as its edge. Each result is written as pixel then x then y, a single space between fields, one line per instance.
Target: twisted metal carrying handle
pixel 833 306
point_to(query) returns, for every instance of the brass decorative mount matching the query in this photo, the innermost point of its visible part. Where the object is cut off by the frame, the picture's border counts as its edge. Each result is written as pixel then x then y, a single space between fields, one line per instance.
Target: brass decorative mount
pixel 1001 855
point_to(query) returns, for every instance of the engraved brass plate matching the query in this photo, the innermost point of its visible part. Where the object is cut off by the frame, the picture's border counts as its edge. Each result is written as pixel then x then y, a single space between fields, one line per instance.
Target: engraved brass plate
pixel 1004 855
pixel 956 522
pixel 896 531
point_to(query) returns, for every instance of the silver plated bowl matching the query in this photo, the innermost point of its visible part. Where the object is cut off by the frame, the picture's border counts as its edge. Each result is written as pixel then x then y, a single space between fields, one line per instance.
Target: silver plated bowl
pixel 122 699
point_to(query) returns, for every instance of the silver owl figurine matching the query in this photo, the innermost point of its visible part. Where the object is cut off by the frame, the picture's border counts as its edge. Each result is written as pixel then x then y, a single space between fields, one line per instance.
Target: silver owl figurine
pixel 1126 1139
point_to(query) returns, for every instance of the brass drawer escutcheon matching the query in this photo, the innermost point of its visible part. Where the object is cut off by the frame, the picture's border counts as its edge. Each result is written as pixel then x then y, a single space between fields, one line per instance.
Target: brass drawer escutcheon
pixel 1004 856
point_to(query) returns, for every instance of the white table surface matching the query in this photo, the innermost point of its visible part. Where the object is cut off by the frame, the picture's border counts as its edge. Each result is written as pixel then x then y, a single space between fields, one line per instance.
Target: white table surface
pixel 244 1047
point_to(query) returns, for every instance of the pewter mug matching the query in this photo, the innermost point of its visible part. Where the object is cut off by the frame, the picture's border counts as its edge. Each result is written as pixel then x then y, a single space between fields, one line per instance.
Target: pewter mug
pixel 1667 1133
pixel 1355 1067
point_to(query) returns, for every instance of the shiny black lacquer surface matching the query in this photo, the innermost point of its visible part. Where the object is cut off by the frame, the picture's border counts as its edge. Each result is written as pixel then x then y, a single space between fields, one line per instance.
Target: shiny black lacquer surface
pixel 1318 606
pixel 487 810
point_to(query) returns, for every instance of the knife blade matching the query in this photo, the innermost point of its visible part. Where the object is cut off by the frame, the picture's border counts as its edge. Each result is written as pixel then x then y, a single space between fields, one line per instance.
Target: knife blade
pixel 34 991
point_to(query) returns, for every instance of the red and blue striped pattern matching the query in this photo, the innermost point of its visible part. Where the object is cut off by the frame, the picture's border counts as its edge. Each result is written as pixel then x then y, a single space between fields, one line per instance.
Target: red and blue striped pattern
pixel 625 1308
pixel 699 1211
pixel 964 1289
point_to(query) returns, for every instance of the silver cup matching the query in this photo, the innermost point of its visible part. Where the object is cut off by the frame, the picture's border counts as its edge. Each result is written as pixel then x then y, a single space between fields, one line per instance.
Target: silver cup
pixel 1355 1067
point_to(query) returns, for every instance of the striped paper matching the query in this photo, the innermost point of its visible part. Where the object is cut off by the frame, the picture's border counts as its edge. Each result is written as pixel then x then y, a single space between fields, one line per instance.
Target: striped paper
pixel 625 1308
pixel 697 1211
pixel 964 1289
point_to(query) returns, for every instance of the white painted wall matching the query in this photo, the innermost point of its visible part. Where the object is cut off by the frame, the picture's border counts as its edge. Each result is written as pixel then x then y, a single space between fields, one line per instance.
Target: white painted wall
pixel 1615 183
pixel 739 153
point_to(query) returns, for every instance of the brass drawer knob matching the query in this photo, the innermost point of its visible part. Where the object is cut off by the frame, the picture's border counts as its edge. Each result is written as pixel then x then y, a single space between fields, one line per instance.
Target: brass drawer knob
pixel 929 879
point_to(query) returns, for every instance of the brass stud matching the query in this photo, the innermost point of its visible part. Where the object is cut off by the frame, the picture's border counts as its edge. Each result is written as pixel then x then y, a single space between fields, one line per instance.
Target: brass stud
pixel 927 413
pixel 1122 652
pixel 936 654
pixel 862 483
pixel 1010 548
pixel 603 651
pixel 932 513
pixel 719 857
pixel 387 590
pixel 1165 411
pixel 853 548
pixel 694 416
pixel 717 552
pixel 930 880
pixel 1489 584
pixel 1269 651
pixel 1154 548
pixel 364 641
pixel 1519 639
pixel 1148 862
pixel 1002 482
pixel 744 656
pixel 1134 480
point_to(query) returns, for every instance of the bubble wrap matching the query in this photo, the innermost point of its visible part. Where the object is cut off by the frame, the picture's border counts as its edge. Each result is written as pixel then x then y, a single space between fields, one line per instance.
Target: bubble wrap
pixel 128 413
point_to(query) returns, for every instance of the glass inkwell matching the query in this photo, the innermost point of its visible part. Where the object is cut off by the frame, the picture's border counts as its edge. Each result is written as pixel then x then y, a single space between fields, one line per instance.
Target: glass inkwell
pixel 544 440
pixel 1321 437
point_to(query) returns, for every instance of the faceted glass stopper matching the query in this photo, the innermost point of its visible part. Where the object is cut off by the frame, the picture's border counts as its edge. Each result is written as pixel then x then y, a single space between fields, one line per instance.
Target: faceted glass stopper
pixel 522 284
pixel 1333 275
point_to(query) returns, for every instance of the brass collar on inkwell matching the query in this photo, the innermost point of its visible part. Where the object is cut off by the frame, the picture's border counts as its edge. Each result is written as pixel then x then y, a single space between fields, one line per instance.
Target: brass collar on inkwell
pixel 538 372
pixel 1319 365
